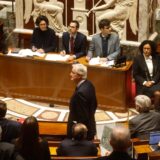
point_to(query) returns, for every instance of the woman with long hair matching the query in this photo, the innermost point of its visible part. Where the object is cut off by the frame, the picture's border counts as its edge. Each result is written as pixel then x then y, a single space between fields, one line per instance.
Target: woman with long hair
pixel 29 145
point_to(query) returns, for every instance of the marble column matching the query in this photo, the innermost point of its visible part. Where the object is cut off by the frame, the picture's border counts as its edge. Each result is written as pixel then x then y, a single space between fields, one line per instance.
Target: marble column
pixel 79 14
pixel 19 14
pixel 143 31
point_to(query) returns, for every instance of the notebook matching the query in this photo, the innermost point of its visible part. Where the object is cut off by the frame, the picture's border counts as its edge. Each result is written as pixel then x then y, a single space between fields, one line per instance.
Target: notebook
pixel 154 139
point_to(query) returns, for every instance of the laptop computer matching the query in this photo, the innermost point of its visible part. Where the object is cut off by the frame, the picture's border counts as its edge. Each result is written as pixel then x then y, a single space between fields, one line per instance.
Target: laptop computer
pixel 154 139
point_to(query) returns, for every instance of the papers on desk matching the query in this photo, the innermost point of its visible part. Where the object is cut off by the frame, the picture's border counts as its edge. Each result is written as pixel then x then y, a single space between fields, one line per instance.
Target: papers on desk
pixel 56 57
pixel 101 61
pixel 94 61
pixel 25 53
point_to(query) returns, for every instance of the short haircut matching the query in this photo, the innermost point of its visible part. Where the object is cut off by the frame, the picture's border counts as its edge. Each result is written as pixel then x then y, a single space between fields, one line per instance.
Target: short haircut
pixel 152 45
pixel 41 18
pixel 3 109
pixel 80 69
pixel 79 131
pixel 120 138
pixel 103 23
pixel 76 22
pixel 143 102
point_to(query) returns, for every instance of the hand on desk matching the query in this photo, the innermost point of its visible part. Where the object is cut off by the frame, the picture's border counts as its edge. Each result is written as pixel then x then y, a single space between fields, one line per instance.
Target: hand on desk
pixel 88 58
pixel 63 53
pixel 71 58
pixel 40 50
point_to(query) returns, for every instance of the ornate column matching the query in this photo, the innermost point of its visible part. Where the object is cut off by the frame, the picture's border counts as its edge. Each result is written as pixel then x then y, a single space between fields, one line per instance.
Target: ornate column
pixel 79 12
pixel 19 14
pixel 143 31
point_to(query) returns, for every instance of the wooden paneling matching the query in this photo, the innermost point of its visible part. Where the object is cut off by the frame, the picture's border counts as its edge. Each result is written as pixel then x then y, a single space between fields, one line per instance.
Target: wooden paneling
pixel 50 81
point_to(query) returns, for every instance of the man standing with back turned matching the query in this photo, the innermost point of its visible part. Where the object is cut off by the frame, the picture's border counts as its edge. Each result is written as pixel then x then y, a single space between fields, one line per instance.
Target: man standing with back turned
pixel 83 102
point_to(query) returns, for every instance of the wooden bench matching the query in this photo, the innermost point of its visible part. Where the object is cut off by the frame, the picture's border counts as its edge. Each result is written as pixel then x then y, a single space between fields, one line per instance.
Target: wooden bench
pixel 55 132
pixel 52 130
pixel 154 156
pixel 73 158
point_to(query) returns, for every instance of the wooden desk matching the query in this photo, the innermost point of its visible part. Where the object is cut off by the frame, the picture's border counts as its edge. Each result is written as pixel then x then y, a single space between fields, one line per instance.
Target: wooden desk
pixel 141 151
pixel 49 81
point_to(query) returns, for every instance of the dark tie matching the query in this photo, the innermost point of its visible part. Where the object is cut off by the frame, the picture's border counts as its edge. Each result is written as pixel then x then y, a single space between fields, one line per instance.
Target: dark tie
pixel 72 45
pixel 105 46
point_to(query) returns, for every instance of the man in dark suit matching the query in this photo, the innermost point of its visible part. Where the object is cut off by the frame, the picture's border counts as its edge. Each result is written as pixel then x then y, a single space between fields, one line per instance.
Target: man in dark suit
pixel 78 145
pixel 120 142
pixel 10 129
pixel 74 42
pixel 146 70
pixel 147 121
pixel 83 103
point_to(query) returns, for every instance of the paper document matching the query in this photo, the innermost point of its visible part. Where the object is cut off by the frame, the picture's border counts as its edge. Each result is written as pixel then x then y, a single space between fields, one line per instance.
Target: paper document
pixel 26 52
pixel 94 61
pixel 108 64
pixel 56 57
pixel 101 61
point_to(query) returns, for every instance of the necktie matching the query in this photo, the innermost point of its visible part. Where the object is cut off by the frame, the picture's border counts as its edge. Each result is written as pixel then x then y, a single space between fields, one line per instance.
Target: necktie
pixel 105 46
pixel 72 45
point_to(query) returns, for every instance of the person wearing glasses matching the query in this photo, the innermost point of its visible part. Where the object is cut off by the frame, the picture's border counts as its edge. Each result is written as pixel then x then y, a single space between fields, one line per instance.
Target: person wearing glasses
pixel 74 42
pixel 105 44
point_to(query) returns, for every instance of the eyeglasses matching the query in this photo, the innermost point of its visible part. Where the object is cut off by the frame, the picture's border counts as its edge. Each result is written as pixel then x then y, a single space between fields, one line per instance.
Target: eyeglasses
pixel 72 26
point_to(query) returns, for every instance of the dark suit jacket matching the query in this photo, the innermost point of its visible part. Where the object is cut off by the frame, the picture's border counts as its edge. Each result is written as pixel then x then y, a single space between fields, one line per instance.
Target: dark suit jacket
pixel 82 107
pixel 6 151
pixel 141 74
pixel 116 156
pixel 69 147
pixel 79 44
pixel 10 129
pixel 141 125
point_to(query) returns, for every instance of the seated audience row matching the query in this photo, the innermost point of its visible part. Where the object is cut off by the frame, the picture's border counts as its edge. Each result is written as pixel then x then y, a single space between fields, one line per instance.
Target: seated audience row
pixel 104 44
pixel 28 145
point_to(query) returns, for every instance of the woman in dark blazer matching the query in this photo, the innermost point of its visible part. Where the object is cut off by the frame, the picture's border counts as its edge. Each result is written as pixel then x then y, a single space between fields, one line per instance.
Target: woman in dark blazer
pixel 29 145
pixel 146 69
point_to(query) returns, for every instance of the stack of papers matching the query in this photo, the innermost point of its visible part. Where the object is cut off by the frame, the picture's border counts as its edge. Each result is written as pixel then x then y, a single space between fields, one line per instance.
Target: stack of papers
pixel 101 61
pixel 25 53
pixel 57 57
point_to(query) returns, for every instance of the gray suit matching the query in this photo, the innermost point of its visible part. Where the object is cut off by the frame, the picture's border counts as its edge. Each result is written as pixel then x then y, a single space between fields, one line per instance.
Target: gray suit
pixel 144 123
pixel 95 48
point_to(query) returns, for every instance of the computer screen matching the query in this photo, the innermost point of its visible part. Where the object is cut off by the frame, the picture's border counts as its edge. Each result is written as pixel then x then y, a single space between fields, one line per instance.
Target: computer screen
pixel 154 138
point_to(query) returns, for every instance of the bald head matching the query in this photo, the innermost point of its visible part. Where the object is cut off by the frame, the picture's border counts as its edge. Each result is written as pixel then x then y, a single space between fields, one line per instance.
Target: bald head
pixel 79 131
pixel 120 138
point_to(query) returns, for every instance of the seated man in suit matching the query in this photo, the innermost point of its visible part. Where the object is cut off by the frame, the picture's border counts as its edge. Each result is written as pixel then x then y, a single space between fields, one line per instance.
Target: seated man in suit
pixel 78 145
pixel 10 129
pixel 105 44
pixel 120 142
pixel 74 42
pixel 147 121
